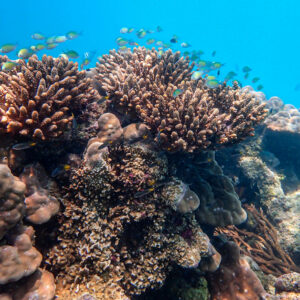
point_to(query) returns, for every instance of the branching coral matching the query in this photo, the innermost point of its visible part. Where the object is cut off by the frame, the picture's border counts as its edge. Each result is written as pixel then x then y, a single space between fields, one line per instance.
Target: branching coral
pixel 261 243
pixel 11 200
pixel 37 98
pixel 120 224
pixel 142 84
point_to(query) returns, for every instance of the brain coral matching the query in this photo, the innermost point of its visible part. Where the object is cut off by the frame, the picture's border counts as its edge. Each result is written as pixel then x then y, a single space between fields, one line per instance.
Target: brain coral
pixel 142 84
pixel 38 97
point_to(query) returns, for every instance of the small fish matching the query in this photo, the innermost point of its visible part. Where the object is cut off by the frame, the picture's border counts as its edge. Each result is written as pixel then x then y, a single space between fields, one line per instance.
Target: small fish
pixel 196 75
pixel 159 29
pixel 255 79
pixel 150 41
pixel 23 146
pixel 8 66
pixel 177 92
pixel 186 53
pixel 40 47
pixel 60 39
pixel 174 39
pixel 25 53
pixel 60 169
pixel 72 54
pixel 214 53
pixel 212 83
pixel 123 49
pixel 103 99
pixel 141 33
pixel 38 36
pixel 246 69
pixel 144 192
pixel 160 53
pixel 121 41
pixel 64 56
pixel 33 48
pixel 74 126
pixel 150 31
pixel 124 30
pixel 130 30
pixel 210 77
pixel 185 45
pixel 166 45
pixel 133 43
pixel 105 144
pixel 71 35
pixel 50 40
pixel 159 43
pixel 246 75
pixel 217 65
pixel 230 75
pixel 202 63
pixel 260 87
pixel 88 56
pixel 8 48
pixel 51 46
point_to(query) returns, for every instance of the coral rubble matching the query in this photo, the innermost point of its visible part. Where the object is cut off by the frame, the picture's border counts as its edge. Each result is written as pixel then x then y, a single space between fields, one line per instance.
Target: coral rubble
pixel 142 84
pixel 38 97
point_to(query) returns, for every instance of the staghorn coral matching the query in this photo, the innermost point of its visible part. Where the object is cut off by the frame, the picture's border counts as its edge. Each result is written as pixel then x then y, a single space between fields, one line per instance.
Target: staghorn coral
pixel 142 84
pixel 38 97
pixel 117 226
pixel 19 258
pixel 40 206
pixel 234 280
pixel 11 200
pixel 260 242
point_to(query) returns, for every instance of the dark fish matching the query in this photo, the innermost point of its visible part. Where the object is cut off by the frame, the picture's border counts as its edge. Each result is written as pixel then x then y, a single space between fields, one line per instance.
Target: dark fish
pixel 149 190
pixel 23 146
pixel 60 169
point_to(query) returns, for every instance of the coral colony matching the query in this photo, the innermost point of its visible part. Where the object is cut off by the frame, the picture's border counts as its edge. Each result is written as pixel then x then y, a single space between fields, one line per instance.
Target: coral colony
pixel 114 178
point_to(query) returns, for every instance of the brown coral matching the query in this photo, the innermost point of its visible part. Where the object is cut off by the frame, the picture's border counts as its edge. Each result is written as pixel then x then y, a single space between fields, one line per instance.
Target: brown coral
pixel 234 280
pixel 40 206
pixel 11 200
pixel 38 97
pixel 118 224
pixel 19 258
pixel 260 242
pixel 142 84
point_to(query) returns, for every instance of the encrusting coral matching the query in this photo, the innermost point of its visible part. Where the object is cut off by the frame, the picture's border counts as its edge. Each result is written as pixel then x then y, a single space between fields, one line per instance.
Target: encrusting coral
pixel 142 84
pixel 39 98
pixel 12 207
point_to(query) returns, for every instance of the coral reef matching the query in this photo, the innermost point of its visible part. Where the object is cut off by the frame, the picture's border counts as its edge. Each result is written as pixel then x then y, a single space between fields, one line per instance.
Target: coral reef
pixel 11 200
pixel 288 286
pixel 141 84
pixel 119 221
pixel 260 242
pixel 234 279
pixel 39 98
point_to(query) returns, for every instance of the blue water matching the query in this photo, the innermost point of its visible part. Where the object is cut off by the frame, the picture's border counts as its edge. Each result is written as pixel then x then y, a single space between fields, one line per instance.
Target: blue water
pixel 262 34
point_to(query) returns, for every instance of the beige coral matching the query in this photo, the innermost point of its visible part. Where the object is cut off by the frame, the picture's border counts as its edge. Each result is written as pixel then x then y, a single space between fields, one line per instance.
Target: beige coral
pixel 11 200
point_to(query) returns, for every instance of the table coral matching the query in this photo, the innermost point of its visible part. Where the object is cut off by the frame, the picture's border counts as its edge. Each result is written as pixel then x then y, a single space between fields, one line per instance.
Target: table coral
pixel 11 200
pixel 142 84
pixel 38 97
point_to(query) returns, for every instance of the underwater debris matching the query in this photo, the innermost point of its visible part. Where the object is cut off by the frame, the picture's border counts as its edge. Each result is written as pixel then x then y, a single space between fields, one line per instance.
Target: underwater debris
pixel 199 118
pixel 259 241
pixel 38 97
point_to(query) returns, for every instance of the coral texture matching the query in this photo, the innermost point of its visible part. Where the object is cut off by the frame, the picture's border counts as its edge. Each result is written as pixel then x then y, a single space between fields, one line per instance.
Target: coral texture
pixel 40 206
pixel 19 258
pixel 38 97
pixel 118 223
pixel 11 200
pixel 142 84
